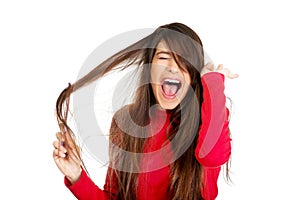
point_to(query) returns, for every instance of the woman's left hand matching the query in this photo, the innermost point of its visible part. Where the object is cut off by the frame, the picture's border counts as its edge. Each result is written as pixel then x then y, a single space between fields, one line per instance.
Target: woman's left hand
pixel 210 68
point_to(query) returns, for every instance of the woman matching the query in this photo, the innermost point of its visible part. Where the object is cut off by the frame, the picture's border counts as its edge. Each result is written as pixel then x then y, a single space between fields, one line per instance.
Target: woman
pixel 179 107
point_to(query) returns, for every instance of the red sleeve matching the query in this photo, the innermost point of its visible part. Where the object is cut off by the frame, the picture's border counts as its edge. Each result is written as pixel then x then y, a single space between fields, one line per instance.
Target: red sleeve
pixel 213 147
pixel 209 190
pixel 86 189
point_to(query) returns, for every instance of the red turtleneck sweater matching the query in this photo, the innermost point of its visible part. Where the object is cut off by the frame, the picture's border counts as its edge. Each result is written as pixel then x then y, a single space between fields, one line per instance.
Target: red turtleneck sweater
pixel 213 149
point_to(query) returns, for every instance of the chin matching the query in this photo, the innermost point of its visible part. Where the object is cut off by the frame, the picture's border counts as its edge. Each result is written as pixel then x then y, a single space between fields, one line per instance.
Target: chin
pixel 168 105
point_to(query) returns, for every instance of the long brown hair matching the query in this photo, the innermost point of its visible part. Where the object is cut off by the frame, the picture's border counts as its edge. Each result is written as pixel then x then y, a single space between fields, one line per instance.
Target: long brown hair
pixel 185 120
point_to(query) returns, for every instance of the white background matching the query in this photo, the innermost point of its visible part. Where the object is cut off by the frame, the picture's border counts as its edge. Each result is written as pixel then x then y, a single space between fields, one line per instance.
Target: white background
pixel 44 43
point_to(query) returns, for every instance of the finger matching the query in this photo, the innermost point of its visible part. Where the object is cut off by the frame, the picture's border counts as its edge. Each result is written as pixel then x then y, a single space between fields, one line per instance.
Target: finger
pixel 61 140
pixel 66 144
pixel 72 148
pixel 232 76
pixel 74 158
pixel 74 154
pixel 59 136
pixel 209 66
pixel 60 147
pixel 59 154
pixel 220 67
pixel 229 74
pixel 56 144
pixel 69 141
pixel 71 154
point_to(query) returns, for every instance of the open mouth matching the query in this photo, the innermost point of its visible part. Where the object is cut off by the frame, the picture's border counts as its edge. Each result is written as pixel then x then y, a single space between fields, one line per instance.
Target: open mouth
pixel 170 87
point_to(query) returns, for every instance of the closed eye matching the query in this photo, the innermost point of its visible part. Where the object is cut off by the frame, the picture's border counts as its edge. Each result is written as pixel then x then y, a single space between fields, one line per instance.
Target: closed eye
pixel 163 55
pixel 163 58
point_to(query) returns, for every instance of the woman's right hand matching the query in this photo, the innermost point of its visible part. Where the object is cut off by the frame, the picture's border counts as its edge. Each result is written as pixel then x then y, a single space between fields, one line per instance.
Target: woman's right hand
pixel 66 157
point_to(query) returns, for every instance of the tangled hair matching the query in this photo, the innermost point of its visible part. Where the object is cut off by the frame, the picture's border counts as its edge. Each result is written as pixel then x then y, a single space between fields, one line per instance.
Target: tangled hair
pixel 185 120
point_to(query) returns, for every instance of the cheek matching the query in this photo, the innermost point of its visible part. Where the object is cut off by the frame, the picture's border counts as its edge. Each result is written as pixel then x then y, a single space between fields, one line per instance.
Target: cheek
pixel 153 79
pixel 187 79
pixel 154 74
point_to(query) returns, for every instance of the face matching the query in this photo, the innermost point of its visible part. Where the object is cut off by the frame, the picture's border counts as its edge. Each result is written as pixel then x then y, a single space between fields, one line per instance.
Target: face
pixel 169 83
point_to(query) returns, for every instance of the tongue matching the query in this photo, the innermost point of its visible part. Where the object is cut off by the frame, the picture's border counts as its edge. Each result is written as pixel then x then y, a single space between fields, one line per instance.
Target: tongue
pixel 169 90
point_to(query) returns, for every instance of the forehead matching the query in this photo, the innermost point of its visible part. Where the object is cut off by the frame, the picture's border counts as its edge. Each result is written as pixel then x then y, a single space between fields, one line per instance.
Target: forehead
pixel 162 46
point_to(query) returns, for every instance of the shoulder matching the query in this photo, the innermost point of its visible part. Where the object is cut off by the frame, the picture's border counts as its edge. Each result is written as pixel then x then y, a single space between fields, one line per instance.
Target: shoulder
pixel 121 119
pixel 123 113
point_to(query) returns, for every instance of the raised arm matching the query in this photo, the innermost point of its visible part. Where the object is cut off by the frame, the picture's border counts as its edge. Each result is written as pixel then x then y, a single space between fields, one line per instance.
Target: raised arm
pixel 214 148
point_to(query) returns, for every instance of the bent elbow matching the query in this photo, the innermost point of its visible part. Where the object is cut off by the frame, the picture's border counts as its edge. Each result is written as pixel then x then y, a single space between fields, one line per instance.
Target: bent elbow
pixel 216 157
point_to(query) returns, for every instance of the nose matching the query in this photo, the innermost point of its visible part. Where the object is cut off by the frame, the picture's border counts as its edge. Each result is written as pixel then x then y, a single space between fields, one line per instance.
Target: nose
pixel 172 70
pixel 173 67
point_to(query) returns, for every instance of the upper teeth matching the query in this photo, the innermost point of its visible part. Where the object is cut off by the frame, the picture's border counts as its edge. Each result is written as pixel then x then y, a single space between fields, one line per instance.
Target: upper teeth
pixel 172 81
